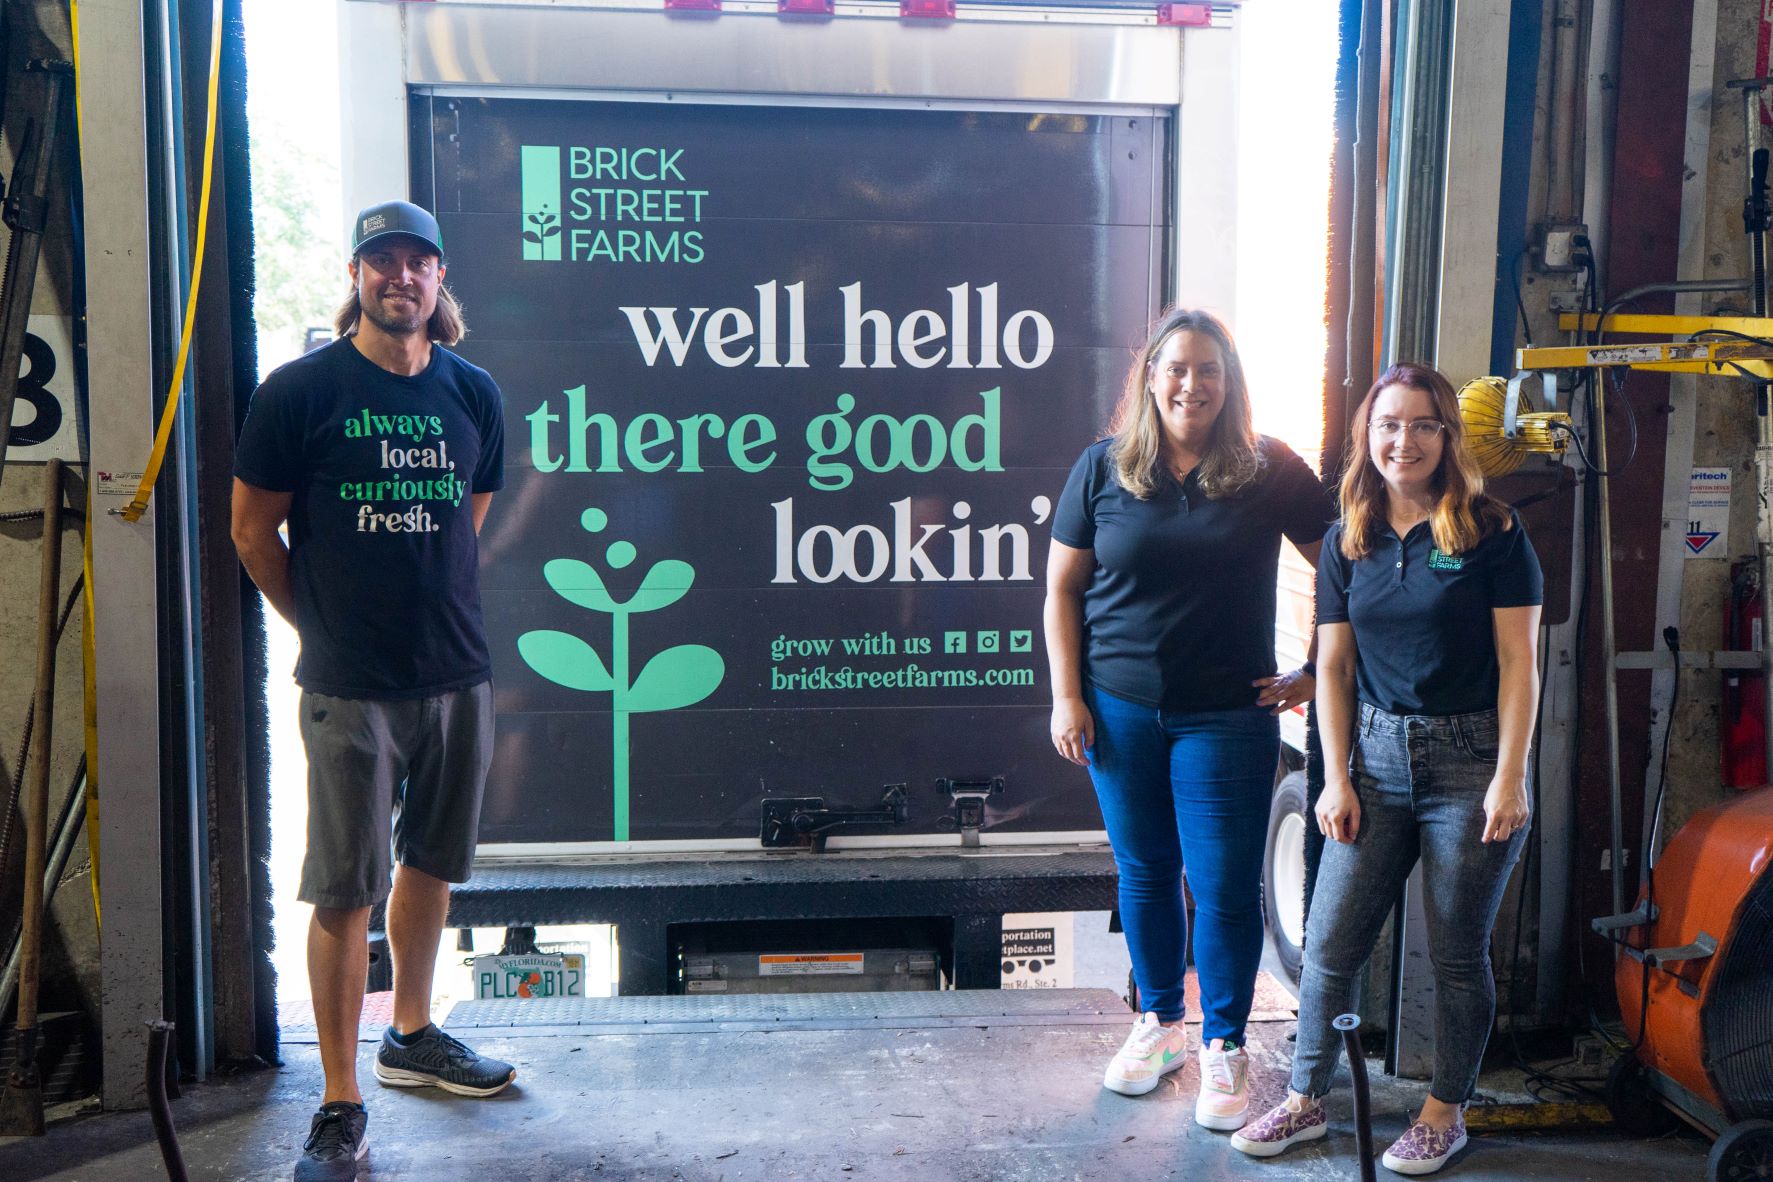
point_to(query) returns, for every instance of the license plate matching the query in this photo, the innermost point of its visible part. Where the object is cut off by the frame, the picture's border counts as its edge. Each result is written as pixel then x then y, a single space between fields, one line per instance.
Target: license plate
pixel 520 977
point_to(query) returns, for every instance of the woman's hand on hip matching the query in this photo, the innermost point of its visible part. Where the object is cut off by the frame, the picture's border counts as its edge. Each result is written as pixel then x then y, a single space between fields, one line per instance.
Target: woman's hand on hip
pixel 1074 731
pixel 1284 691
pixel 1505 808
pixel 1339 812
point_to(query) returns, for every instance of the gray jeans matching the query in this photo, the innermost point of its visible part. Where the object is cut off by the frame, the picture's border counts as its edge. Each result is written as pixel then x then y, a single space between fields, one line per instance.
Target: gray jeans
pixel 1421 782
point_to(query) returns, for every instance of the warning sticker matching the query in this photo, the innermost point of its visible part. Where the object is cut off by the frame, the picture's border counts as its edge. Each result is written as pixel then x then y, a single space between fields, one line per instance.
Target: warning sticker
pixel 810 964
pixel 1626 354
pixel 1708 513
pixel 115 484
pixel 1037 951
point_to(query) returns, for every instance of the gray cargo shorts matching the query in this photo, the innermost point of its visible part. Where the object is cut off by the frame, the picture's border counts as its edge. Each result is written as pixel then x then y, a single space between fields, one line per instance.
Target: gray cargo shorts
pixel 392 780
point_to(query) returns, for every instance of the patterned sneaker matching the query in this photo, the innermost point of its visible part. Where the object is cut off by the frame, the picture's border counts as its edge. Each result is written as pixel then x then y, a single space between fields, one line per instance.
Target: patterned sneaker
pixel 1150 1050
pixel 1224 1101
pixel 437 1060
pixel 1283 1127
pixel 1423 1149
pixel 335 1144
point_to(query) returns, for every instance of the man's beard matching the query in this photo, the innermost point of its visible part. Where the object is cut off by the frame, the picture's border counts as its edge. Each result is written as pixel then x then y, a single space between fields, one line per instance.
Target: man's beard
pixel 393 325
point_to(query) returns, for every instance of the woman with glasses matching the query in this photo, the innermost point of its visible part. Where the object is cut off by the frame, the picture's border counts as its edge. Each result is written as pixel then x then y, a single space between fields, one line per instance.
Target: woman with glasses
pixel 1160 617
pixel 1428 601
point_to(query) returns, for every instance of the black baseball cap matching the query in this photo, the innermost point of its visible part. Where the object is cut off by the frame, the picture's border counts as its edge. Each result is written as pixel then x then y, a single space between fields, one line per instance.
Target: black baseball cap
pixel 395 217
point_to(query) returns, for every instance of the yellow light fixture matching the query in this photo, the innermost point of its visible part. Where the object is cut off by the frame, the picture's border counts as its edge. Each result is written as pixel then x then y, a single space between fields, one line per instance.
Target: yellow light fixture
pixel 1501 427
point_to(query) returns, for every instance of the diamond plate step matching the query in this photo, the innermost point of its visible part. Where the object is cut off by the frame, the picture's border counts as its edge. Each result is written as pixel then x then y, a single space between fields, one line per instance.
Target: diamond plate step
pixel 787 1011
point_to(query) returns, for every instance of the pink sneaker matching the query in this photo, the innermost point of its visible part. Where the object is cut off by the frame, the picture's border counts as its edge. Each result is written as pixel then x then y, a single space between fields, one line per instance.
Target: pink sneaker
pixel 1423 1149
pixel 1151 1050
pixel 1282 1127
pixel 1224 1101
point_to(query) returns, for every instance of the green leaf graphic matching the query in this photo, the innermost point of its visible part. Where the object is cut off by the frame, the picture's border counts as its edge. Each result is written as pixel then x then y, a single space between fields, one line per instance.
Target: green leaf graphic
pixel 680 676
pixel 565 660
pixel 578 582
pixel 664 585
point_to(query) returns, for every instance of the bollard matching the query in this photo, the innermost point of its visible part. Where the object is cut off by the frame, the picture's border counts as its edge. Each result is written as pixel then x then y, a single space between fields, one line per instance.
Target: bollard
pixel 1349 1025
pixel 159 1037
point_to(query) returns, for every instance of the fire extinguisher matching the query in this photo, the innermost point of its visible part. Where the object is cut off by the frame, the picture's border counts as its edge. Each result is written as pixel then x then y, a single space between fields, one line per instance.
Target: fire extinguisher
pixel 1744 749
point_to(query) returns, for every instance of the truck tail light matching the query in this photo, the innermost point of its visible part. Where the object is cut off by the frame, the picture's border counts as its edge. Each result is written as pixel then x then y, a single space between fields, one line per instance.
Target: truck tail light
pixel 1188 16
pixel 926 10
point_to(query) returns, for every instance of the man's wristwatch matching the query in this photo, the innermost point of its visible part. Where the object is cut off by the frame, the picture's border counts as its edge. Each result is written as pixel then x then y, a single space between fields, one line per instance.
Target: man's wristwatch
pixel 1308 667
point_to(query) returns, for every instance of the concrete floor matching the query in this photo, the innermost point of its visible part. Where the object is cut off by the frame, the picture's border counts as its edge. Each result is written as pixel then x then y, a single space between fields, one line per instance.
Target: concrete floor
pixel 971 1102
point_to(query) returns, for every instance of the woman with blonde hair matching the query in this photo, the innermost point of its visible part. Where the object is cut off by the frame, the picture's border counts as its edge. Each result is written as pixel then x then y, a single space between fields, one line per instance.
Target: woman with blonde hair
pixel 1160 618
pixel 1428 599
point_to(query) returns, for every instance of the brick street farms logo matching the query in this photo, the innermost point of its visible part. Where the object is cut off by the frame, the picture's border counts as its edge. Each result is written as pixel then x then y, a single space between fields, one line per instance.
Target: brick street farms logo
pixel 609 204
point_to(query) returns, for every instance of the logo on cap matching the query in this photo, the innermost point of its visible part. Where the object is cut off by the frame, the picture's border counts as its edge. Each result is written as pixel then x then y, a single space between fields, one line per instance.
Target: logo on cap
pixel 373 223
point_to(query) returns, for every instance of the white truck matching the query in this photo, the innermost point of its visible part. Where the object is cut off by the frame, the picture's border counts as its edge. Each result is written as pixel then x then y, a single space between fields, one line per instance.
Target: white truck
pixel 802 311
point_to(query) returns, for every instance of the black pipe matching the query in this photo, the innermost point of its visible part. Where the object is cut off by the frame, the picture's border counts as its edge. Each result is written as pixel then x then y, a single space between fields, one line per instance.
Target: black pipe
pixel 1755 217
pixel 1350 1025
pixel 159 1037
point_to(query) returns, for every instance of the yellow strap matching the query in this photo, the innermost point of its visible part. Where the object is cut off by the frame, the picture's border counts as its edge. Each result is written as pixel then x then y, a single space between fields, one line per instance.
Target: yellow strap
pixel 89 664
pixel 139 503
pixel 88 653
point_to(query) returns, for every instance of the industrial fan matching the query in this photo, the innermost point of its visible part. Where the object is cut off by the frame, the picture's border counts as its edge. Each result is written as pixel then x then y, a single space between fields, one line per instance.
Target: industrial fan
pixel 1501 427
pixel 1696 990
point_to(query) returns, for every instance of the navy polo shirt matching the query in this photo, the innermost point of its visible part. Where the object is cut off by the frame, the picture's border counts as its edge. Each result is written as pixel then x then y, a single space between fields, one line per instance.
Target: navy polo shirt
pixel 1179 613
pixel 1422 626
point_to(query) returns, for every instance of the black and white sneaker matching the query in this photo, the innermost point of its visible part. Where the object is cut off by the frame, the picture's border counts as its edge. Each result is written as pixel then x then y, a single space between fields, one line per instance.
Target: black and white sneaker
pixel 436 1060
pixel 335 1144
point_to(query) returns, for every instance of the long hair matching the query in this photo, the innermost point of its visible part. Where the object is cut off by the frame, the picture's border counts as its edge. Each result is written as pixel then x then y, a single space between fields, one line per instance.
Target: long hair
pixel 1462 516
pixel 1233 457
pixel 445 326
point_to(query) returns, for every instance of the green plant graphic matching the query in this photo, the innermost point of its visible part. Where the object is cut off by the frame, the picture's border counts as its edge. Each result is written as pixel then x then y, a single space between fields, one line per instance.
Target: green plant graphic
pixel 544 228
pixel 679 676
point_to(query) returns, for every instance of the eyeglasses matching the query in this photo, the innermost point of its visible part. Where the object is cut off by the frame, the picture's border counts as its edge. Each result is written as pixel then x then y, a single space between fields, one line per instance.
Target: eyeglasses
pixel 1421 430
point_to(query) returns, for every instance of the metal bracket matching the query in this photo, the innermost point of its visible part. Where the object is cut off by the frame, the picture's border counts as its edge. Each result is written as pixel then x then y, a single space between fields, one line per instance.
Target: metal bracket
pixel 1611 925
pixel 807 821
pixel 1699 949
pixel 968 798
pixel 1511 401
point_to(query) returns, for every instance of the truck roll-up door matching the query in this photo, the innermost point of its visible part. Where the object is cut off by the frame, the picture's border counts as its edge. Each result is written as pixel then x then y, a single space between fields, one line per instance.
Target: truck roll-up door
pixel 789 394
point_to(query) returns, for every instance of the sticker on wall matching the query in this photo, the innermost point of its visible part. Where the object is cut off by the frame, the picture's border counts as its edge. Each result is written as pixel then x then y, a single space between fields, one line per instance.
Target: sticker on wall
pixel 1708 513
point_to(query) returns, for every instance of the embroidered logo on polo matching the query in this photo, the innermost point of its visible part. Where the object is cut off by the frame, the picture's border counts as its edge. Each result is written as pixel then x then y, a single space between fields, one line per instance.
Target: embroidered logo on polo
pixel 1441 561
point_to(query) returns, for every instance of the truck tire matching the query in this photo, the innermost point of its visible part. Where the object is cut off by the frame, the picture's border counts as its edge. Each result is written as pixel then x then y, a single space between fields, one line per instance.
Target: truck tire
pixel 1283 874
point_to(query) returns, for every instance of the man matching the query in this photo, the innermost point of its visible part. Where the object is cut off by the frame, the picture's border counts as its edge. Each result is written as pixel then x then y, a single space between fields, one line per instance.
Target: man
pixel 382 452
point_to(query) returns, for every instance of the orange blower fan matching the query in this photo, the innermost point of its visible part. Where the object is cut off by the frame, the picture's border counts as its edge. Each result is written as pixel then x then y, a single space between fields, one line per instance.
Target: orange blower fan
pixel 1696 986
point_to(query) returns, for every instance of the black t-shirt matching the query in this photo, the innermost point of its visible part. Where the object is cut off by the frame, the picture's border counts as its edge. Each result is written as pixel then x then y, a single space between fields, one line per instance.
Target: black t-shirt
pixel 1425 638
pixel 382 552
pixel 1179 613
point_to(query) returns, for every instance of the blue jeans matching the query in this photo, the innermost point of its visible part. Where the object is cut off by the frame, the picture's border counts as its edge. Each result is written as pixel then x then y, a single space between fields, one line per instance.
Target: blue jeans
pixel 1188 789
pixel 1421 782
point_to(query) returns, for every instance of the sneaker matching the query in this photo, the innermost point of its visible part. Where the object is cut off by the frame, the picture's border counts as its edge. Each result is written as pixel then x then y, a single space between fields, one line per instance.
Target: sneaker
pixel 1150 1050
pixel 1423 1149
pixel 335 1144
pixel 437 1060
pixel 1224 1101
pixel 1283 1127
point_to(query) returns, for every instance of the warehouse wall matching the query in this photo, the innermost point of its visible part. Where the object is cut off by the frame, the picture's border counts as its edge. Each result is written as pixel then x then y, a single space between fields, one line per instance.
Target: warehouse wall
pixel 1725 433
pixel 40 30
